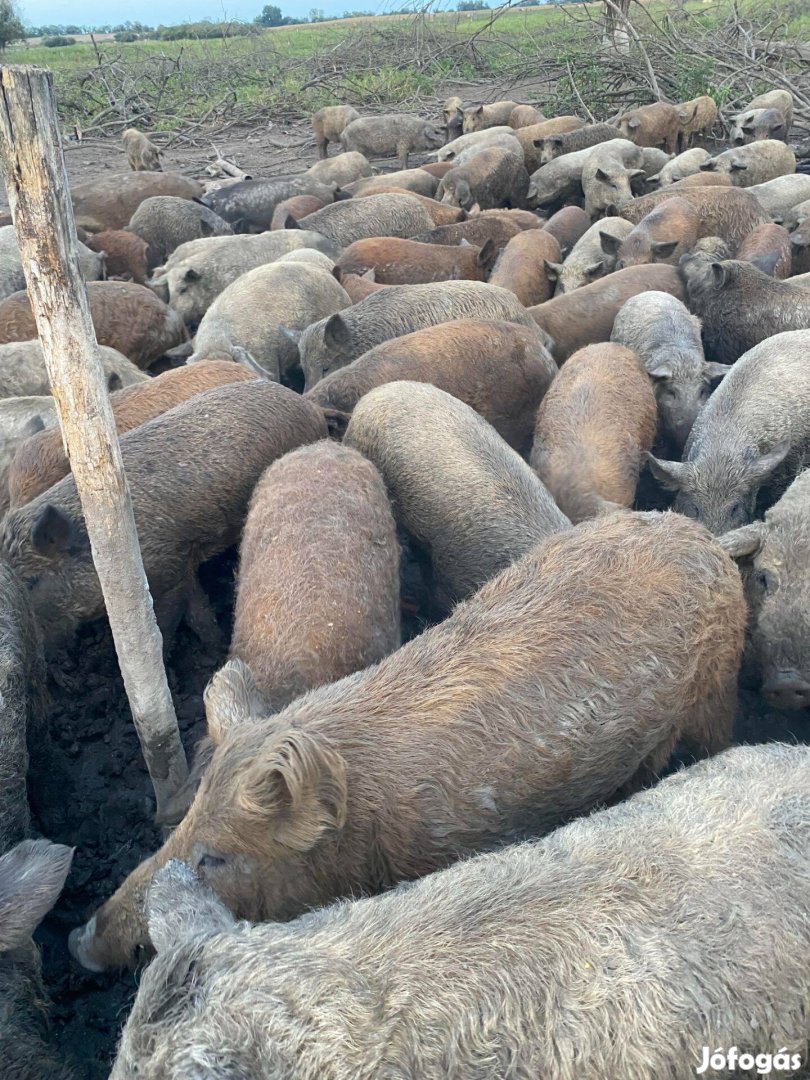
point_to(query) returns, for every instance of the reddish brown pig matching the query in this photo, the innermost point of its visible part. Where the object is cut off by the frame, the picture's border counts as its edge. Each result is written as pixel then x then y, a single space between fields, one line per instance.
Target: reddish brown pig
pixel 125 254
pixel 658 124
pixel 768 248
pixel 41 461
pixel 531 138
pixel 407 262
pixel 567 226
pixel 414 181
pixel 297 207
pixel 729 213
pixel 524 116
pixel 358 286
pixel 476 231
pixel 585 316
pixel 521 266
pixel 662 236
pixel 593 426
pixel 127 317
pixel 110 202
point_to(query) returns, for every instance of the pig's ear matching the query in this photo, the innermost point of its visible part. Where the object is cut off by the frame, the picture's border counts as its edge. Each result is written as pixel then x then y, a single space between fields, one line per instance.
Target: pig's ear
pixel 738 166
pixel 654 180
pixel 369 275
pixel 487 254
pixel 557 140
pixel 669 474
pixel 479 111
pixel 610 244
pixel 721 275
pixel 797 240
pixel 594 270
pixel 770 461
pixel 34 425
pixel 662 249
pixel 113 382
pixel 336 336
pixel 206 228
pixel 715 372
pixel 767 262
pixel 231 698
pixel 661 372
pixel 296 789
pixel 601 175
pixel 290 222
pixel 474 211
pixel 708 166
pixel 31 877
pixel 179 906
pixel 52 531
pixel 191 275
pixel 745 542
pixel 633 123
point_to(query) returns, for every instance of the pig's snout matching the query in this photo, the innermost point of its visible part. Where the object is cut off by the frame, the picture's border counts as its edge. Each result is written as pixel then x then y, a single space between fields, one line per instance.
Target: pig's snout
pixel 787 690
pixel 80 945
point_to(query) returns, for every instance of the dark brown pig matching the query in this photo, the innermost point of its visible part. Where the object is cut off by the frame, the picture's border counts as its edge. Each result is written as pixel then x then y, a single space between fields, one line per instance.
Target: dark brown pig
pixel 767 247
pixel 729 213
pixel 407 262
pixel 125 254
pixel 297 207
pixel 109 203
pixel 593 425
pixel 521 266
pixel 567 226
pixel 662 236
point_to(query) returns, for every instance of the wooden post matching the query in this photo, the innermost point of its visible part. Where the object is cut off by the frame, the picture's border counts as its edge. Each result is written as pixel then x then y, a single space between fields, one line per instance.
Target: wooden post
pixel 36 182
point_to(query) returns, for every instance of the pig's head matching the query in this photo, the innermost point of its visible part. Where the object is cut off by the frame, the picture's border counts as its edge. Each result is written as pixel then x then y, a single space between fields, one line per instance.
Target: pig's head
pixel 550 147
pixel 189 292
pixel 324 347
pixel 473 119
pixel 768 124
pixel 611 188
pixel 571 275
pixel 453 116
pixel 260 832
pixel 456 192
pixel 432 137
pixel 682 387
pixel 720 489
pixel 729 164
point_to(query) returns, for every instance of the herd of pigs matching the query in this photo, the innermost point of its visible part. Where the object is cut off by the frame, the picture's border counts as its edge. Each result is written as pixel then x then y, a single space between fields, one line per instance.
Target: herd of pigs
pixel 383 863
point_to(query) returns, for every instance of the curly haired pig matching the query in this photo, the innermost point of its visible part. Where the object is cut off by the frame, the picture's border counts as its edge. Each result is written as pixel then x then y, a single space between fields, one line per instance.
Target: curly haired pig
pixel 142 154
pixel 591 257
pixel 110 201
pixel 393 134
pixel 165 222
pixel 725 212
pixel 755 163
pixel 329 124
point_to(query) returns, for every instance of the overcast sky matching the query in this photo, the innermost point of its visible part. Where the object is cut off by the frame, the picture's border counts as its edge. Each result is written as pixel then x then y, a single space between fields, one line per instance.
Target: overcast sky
pixel 153 12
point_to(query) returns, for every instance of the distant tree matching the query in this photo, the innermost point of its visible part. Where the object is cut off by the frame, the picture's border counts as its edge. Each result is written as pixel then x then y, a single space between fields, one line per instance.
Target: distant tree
pixel 472 5
pixel 57 41
pixel 270 16
pixel 126 35
pixel 316 15
pixel 11 27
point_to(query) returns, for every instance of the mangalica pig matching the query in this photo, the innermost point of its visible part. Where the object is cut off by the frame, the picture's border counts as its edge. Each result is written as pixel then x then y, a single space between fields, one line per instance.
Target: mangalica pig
pixel 750 440
pixel 740 305
pixel 110 202
pixel 704 180
pixel 761 124
pixel 494 178
pixel 695 117
pixel 453 116
pixel 590 257
pixel 407 262
pixel 658 125
pixel 400 309
pixel 12 278
pixel 358 286
pixel 653 161
pixel 686 164
pixel 124 254
pixel 341 170
pixel 126 317
pixel 329 124
pixel 715 247
pixel 560 179
pixel 499 369
pixel 391 774
pixel 378 215
pixel 593 425
pixel 395 134
pixel 443 463
pixel 476 231
pixel 436 168
pixel 310 257
pixel 195 280
pixel 20 418
pixel 166 222
pixel 142 154
pixel 296 207
pixel 778 196
pixel 585 316
pixel 23 371
pixel 532 138
pixel 191 472
pixel 753 164
pixel 414 180
pixel 523 266
pixel 524 116
pixel 479 117
pixel 775 558
pixel 768 248
pixel 728 213
pixel 40 462
pixel 662 236
pixel 248 205
pixel 568 226
pixel 248 321
pixel 608 175
pixel 773 99
pixel 666 337
pixel 800 247
pixel 440 213
pixel 494 141
pixel 795 216
pixel 451 150
pixel 566 142
pixel 283 1003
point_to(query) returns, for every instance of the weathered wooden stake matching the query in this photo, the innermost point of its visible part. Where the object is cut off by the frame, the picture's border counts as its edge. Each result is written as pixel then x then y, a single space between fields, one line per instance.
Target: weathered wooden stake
pixel 36 182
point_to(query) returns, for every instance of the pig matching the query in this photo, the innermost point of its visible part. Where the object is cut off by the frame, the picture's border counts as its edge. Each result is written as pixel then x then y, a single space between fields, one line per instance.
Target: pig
pixel 800 248
pixel 532 138
pixel 703 180
pixel 500 369
pixel 296 207
pixel 476 231
pixel 728 213
pixel 608 174
pixel 142 154
pixel 126 317
pixel 392 134
pixel 124 254
pixel 795 216
pixel 775 555
pixel 20 418
pixel 682 165
pixel 165 222
pixel 560 179
pixel 585 316
pixel 590 258
pixel 490 136
pixel 494 141
pixel 761 124
pixel 453 116
pixel 566 142
pixel 662 236
pixel 309 256
pixel 597 419
pixel 753 164
pixel 416 181
pixel 191 472
pixel 358 286
pixel 522 266
pixel 479 117
pixel 248 205
pixel 110 202
pixel 329 124
pixel 773 99
pixel 750 440
pixel 40 462
pixel 653 161
pixel 276 1004
pixel 768 248
pixel 524 116
pixel 568 226
pixel 248 321
pixel 778 197
pixel 12 278
pixel 341 170
pixel 23 372
pixel 440 213
pixel 695 117
pixel 407 262
pixel 657 125
pixel 740 305
pixel 195 281
pixel 715 247
pixel 400 309
pixel 377 215
pixel 494 178
pixel 521 653
pixel 659 328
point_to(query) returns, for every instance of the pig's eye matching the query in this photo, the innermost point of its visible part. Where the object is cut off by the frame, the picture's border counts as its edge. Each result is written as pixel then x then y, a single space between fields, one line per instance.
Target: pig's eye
pixel 209 861
pixel 766 580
